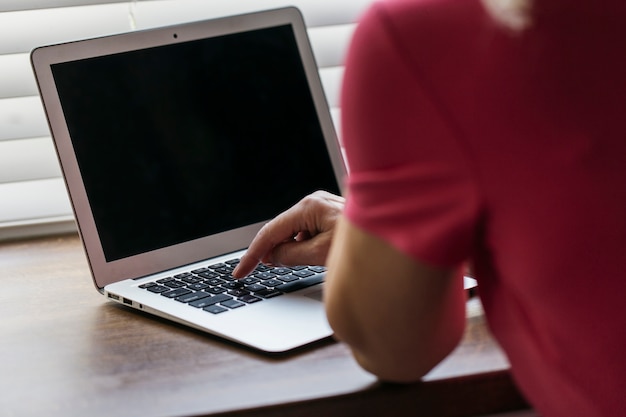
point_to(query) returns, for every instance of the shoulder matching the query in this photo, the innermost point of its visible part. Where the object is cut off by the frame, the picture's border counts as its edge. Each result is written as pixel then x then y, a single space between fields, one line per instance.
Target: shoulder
pixel 447 18
pixel 433 37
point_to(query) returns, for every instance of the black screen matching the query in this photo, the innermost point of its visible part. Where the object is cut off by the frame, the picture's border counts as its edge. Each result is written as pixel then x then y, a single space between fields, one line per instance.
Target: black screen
pixel 187 140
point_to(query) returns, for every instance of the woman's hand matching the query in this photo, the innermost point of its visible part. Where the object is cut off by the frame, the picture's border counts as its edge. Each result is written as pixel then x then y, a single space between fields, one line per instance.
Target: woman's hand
pixel 299 236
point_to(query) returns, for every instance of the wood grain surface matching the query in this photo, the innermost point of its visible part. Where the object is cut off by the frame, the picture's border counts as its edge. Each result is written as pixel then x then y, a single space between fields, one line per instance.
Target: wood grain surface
pixel 66 351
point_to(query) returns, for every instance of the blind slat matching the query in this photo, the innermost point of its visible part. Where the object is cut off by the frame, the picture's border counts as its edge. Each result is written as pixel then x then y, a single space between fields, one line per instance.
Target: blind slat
pixel 17 79
pixel 15 5
pixel 22 31
pixel 331 82
pixel 315 12
pixel 330 43
pixel 22 117
pixel 22 201
pixel 28 159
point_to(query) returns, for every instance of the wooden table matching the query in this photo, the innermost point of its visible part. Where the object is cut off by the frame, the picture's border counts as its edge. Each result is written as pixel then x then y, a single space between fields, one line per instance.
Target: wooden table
pixel 66 351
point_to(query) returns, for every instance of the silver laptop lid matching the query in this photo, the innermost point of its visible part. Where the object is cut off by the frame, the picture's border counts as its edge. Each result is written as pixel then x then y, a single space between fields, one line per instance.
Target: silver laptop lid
pixel 177 144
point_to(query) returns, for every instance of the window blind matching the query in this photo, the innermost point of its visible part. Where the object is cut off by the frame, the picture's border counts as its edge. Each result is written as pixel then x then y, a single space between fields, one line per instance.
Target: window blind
pixel 33 199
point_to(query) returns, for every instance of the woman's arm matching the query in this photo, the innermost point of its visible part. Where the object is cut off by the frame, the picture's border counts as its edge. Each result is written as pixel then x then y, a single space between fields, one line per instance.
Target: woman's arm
pixel 399 316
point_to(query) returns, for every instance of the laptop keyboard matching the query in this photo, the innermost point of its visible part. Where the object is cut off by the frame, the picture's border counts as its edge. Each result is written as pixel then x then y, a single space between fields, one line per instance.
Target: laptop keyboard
pixel 214 289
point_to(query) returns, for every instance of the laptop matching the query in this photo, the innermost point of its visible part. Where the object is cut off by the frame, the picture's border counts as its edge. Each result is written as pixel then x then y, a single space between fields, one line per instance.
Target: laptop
pixel 176 145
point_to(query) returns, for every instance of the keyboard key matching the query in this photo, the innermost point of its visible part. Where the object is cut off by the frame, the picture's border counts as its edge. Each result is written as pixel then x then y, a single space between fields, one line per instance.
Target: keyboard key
pixel 281 271
pixel 215 281
pixel 318 269
pixel 175 293
pixel 232 304
pixel 193 296
pixel 228 277
pixel 265 275
pixel 268 293
pixel 208 274
pixel 157 289
pixel 197 287
pixel 191 279
pixel 262 268
pixel 174 284
pixel 201 303
pixel 238 292
pixel 301 283
pixel 303 273
pixel 271 282
pixel 249 280
pixel 208 301
pixel 288 278
pixel 255 287
pixel 224 270
pixel 233 285
pixel 216 290
pixel 215 309
pixel 250 299
pixel 219 298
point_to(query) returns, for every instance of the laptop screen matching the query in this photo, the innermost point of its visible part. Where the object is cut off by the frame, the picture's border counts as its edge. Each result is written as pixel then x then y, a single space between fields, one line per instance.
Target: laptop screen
pixel 191 139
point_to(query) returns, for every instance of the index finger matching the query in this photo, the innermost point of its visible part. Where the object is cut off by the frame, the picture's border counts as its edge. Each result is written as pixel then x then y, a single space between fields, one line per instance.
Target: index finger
pixel 284 227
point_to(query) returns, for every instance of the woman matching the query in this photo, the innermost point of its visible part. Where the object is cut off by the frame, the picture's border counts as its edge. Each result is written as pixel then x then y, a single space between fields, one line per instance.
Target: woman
pixel 484 132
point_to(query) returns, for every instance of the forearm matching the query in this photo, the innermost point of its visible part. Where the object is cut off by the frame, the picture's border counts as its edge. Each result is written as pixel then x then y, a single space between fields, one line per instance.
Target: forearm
pixel 399 317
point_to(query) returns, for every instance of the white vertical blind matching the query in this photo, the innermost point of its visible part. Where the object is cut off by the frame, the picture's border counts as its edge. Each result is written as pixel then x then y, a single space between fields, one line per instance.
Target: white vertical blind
pixel 33 199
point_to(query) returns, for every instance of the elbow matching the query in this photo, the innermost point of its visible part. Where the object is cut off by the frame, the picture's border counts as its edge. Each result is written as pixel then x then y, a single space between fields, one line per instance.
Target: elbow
pixel 405 363
pixel 390 370
pixel 398 355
